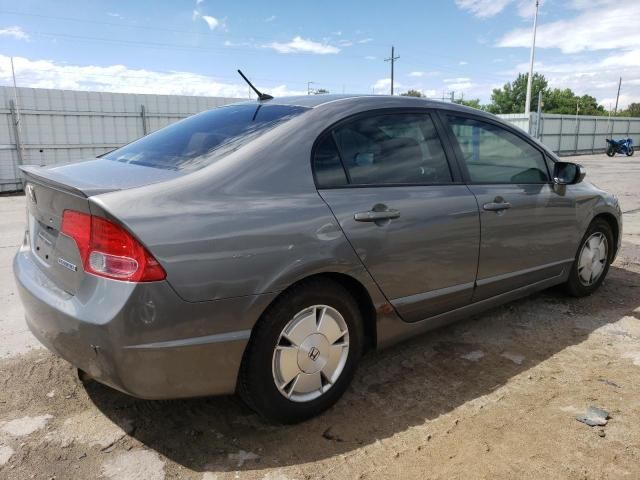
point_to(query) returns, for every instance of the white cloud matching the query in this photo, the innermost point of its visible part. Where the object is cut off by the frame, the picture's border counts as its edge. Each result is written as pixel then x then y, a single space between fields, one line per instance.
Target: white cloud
pixel 365 40
pixel 15 32
pixel 121 79
pixel 369 57
pixel 383 86
pixel 592 29
pixel 459 83
pixel 212 22
pixel 483 8
pixel 490 8
pixel 420 74
pixel 462 62
pixel 457 79
pixel 302 45
pixel 606 50
pixel 229 43
pixel 270 19
pixel 114 14
pixel 198 2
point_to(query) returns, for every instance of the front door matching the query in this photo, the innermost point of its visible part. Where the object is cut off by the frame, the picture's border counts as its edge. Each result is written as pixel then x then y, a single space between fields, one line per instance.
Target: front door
pixel 528 230
pixel 388 182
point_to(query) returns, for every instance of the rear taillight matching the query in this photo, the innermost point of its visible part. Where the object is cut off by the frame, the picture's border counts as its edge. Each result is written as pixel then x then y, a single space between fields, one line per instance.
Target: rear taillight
pixel 109 250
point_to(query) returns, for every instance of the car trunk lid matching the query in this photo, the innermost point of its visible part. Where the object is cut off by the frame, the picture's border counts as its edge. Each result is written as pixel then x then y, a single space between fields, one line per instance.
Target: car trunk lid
pixel 51 191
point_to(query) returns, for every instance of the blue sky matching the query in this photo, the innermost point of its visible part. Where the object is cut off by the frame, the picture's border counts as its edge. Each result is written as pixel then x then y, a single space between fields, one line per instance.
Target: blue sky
pixel 194 46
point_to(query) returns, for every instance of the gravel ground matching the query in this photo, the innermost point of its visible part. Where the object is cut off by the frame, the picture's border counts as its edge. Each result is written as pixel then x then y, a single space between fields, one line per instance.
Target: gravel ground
pixel 495 396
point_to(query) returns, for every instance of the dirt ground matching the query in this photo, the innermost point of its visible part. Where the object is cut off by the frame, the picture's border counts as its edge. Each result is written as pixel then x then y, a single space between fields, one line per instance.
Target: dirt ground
pixel 494 396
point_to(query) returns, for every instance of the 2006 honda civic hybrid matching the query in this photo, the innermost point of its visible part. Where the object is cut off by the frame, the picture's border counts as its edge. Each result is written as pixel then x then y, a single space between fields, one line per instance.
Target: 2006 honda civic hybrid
pixel 263 247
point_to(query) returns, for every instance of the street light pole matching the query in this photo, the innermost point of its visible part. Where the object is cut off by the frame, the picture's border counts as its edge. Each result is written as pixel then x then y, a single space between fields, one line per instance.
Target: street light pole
pixel 309 87
pixel 527 105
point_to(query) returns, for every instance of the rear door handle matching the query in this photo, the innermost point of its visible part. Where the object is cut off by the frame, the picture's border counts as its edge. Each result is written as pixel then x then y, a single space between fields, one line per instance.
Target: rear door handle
pixel 496 206
pixel 375 216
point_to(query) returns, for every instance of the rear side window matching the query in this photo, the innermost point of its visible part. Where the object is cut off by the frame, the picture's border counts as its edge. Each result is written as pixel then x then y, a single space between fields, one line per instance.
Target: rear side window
pixel 198 141
pixel 327 165
pixel 392 149
pixel 495 155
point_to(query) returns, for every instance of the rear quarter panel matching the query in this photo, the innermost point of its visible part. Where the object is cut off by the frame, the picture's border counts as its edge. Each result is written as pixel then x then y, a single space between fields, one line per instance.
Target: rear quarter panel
pixel 251 223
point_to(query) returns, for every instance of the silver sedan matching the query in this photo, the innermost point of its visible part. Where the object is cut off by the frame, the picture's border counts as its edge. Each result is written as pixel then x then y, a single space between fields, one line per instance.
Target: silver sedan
pixel 263 247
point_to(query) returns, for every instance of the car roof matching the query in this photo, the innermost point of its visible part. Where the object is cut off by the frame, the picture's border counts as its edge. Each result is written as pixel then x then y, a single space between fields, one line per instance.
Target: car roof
pixel 371 101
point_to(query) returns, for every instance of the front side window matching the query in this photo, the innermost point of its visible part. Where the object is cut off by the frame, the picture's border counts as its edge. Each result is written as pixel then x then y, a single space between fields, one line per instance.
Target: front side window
pixel 391 149
pixel 495 155
pixel 202 139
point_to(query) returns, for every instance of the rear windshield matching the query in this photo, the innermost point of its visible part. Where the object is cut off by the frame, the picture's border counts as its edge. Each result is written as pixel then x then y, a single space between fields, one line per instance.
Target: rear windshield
pixel 198 141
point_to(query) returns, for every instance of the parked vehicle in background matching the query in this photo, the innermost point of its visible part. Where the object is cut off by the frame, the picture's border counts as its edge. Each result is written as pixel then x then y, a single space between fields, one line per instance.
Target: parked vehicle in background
pixel 624 146
pixel 262 247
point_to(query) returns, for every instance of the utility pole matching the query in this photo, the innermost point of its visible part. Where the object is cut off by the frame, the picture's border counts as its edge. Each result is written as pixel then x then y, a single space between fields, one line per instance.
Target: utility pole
pixel 539 115
pixel 453 95
pixel 18 122
pixel 392 59
pixel 615 110
pixel 527 105
pixel 309 87
pixel 617 97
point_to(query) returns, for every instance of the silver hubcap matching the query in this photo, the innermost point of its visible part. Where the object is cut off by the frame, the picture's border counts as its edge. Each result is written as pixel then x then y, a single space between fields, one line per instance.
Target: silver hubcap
pixel 593 259
pixel 311 353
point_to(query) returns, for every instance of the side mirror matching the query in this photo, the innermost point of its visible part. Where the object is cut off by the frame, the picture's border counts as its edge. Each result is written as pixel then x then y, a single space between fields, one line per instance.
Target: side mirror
pixel 566 173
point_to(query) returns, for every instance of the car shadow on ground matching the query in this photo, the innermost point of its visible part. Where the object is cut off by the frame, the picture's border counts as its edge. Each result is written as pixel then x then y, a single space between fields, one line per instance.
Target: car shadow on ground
pixel 394 390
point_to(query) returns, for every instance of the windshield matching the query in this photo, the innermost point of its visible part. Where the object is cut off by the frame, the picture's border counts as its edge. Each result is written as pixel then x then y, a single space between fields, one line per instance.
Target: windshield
pixel 198 141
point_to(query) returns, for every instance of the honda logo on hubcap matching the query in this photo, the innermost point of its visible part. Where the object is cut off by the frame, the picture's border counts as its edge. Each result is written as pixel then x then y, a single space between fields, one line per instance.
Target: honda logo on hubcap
pixel 314 353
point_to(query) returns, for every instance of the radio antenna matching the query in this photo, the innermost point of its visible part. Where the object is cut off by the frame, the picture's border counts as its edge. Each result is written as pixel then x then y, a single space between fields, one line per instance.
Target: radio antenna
pixel 261 96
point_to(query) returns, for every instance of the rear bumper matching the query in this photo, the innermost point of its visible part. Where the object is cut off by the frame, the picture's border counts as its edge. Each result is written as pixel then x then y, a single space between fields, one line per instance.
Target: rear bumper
pixel 141 339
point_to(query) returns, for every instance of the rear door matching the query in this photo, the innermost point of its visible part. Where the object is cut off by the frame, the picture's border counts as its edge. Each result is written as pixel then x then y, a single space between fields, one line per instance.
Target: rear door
pixel 528 229
pixel 410 219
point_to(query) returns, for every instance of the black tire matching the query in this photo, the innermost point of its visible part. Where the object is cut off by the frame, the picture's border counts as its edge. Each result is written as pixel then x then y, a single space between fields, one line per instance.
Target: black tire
pixel 611 151
pixel 256 384
pixel 574 285
pixel 630 151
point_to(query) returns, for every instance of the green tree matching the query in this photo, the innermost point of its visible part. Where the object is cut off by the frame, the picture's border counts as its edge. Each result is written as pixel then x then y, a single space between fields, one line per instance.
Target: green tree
pixel 473 103
pixel 320 91
pixel 633 110
pixel 565 101
pixel 512 96
pixel 411 93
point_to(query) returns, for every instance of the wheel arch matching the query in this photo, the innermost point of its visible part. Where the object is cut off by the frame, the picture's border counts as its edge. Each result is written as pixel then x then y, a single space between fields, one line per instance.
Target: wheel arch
pixel 356 289
pixel 615 228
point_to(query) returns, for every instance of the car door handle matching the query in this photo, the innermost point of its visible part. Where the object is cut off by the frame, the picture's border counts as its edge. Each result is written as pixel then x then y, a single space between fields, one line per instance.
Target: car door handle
pixel 375 216
pixel 496 206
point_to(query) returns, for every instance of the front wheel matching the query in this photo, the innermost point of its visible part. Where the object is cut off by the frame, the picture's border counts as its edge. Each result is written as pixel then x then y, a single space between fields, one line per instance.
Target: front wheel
pixel 611 151
pixel 630 151
pixel 592 261
pixel 303 352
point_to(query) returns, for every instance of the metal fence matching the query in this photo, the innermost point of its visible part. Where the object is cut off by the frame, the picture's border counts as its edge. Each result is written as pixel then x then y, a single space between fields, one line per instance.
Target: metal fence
pixel 576 135
pixel 58 126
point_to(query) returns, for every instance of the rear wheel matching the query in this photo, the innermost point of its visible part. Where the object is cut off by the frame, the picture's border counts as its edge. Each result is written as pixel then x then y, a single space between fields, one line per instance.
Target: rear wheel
pixel 592 260
pixel 303 352
pixel 611 151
